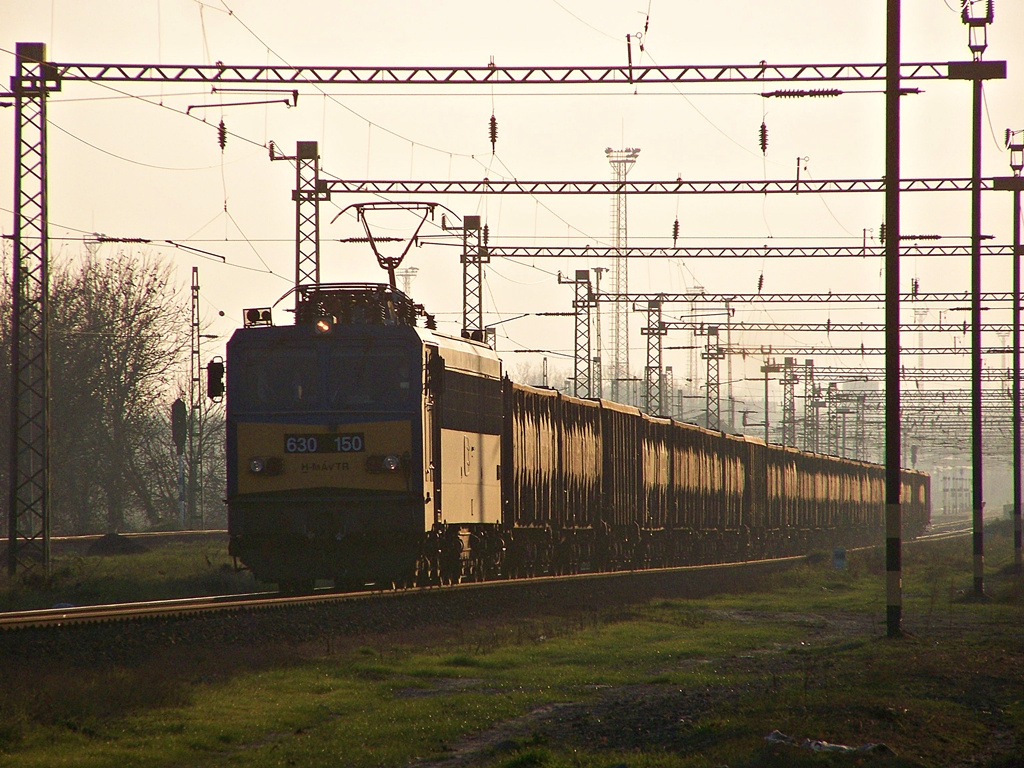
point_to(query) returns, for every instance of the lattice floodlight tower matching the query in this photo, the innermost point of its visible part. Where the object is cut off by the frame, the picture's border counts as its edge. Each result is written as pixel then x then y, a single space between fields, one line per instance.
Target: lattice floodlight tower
pixel 621 161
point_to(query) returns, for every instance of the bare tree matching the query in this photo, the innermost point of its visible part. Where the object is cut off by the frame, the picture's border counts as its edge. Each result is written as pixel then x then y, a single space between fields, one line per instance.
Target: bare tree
pixel 119 335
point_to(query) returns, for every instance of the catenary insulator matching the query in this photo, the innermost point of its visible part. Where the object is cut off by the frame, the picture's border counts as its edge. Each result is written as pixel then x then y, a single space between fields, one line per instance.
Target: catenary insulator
pixel 494 132
pixel 881 233
pixel 760 282
pixel 675 233
pixel 764 138
pixel 222 135
pixel 486 234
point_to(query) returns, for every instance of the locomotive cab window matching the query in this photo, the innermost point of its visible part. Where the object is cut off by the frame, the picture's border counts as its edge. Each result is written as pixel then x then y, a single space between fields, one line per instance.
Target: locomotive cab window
pixel 381 378
pixel 276 379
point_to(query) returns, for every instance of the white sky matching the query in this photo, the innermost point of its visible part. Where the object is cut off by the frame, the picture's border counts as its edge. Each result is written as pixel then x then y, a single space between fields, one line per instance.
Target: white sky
pixel 128 167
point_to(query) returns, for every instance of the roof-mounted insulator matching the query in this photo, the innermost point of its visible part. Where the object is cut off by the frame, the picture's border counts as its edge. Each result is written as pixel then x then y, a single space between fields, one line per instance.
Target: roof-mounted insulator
pixel 493 132
pixel 675 232
pixel 763 137
pixel 222 135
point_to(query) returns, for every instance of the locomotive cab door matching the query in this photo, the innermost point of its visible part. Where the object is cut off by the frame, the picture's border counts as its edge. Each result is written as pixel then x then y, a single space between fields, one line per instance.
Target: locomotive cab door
pixel 433 392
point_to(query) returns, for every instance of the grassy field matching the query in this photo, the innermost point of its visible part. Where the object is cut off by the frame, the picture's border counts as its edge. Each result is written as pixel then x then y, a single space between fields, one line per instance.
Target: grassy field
pixel 157 570
pixel 668 683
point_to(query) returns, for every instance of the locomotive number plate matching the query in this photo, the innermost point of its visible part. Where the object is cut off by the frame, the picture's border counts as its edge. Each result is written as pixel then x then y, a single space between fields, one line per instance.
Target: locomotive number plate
pixel 343 442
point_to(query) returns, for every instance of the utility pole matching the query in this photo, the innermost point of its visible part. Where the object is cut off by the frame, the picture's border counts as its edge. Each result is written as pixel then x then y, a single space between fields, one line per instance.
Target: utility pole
pixel 812 402
pixel 28 543
pixel 309 191
pixel 713 354
pixel 655 333
pixel 474 256
pixel 728 366
pixel 1015 143
pixel 789 382
pixel 893 474
pixel 977 72
pixel 621 161
pixel 597 374
pixel 194 407
pixel 768 367
pixel 582 304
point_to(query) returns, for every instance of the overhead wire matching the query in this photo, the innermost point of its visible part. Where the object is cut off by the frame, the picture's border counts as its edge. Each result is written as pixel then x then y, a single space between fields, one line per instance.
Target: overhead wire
pixel 341 104
pixel 587 23
pixel 88 235
pixel 127 159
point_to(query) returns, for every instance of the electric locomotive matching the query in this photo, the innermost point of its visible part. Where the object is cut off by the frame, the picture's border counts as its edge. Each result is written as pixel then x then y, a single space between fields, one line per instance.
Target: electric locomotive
pixel 362 445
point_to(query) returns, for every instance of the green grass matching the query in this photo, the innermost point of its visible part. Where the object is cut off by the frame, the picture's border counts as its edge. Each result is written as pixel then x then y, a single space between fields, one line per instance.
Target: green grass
pixel 168 570
pixel 770 660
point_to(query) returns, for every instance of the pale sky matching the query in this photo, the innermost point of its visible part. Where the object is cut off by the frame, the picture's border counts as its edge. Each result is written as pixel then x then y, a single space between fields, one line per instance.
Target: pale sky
pixel 127 161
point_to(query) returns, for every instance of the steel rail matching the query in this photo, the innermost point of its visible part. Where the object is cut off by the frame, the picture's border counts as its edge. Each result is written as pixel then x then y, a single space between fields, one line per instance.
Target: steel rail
pixel 87 614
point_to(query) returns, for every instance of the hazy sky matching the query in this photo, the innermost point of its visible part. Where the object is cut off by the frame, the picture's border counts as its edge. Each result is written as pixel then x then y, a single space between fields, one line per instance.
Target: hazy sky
pixel 135 161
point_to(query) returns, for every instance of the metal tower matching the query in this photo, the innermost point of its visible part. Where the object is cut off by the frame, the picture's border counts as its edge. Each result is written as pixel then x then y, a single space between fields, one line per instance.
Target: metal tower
pixel 582 304
pixel 789 382
pixel 812 404
pixel 655 333
pixel 714 354
pixel 309 191
pixel 29 521
pixel 621 161
pixel 407 275
pixel 474 256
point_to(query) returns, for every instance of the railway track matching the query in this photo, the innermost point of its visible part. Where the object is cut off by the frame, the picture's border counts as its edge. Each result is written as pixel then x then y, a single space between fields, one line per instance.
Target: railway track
pixel 60 616
pixel 66 616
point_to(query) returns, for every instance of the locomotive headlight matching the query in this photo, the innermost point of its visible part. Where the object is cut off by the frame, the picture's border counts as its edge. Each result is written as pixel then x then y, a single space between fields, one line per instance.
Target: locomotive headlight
pixel 256 466
pixel 391 463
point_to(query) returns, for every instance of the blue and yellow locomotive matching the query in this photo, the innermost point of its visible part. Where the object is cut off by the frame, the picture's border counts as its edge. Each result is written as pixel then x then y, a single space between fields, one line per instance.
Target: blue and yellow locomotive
pixel 353 435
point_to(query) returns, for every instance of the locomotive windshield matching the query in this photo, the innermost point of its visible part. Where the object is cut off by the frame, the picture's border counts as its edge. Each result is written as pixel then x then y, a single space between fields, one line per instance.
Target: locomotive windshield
pixel 275 379
pixel 376 377
pixel 360 377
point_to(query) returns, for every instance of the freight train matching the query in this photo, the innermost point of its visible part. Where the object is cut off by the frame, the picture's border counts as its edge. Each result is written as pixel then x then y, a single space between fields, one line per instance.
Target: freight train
pixel 365 447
